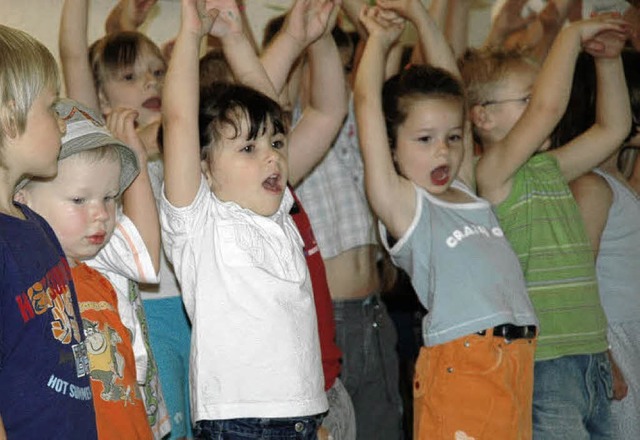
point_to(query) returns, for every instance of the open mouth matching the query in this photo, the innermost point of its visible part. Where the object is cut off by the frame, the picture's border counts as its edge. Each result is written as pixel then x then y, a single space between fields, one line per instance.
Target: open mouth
pixel 272 184
pixel 440 176
pixel 153 104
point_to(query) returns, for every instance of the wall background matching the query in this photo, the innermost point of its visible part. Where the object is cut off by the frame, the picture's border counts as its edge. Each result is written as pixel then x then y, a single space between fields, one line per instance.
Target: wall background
pixel 41 18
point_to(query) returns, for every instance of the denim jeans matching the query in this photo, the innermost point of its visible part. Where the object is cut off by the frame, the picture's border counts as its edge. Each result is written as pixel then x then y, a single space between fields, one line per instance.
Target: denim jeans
pixel 571 398
pixel 367 337
pixel 294 428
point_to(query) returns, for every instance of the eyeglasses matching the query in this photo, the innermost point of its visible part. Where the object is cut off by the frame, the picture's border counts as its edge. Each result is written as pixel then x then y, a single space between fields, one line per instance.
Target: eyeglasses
pixel 524 100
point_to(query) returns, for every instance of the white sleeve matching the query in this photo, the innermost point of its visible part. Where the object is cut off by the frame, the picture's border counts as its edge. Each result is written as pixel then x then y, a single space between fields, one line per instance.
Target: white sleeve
pixel 125 254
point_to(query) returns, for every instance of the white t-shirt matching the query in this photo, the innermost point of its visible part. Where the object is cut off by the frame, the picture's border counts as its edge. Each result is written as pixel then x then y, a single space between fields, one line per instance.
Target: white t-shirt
pixel 125 257
pixel 255 350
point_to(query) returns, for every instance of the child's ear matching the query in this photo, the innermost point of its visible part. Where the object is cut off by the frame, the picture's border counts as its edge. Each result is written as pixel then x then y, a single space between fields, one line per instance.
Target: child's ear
pixel 206 170
pixel 481 118
pixel 8 120
pixel 105 106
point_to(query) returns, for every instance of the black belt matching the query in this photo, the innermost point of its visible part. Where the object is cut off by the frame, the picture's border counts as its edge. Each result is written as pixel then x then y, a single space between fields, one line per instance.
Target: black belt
pixel 511 332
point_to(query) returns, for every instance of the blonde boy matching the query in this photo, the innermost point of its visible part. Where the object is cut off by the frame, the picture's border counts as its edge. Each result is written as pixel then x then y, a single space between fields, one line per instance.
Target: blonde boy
pixel 44 377
pixel 514 108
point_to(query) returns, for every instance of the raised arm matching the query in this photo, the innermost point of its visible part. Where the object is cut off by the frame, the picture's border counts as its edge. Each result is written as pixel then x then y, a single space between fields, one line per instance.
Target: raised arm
pixel 391 196
pixel 305 22
pixel 74 53
pixel 456 28
pixel 549 99
pixel 434 47
pixel 612 121
pixel 138 201
pixel 324 114
pixel 180 98
pixel 128 15
pixel 238 49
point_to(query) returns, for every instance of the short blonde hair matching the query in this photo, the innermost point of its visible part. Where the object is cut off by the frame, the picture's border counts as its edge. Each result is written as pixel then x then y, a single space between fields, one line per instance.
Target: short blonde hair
pixel 483 69
pixel 26 68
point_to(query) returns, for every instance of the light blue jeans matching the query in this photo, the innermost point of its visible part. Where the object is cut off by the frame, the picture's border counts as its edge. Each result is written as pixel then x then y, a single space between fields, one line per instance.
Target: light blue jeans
pixel 571 398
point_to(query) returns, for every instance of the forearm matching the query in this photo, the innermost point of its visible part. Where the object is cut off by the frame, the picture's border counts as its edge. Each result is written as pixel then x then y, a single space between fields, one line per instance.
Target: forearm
pixel 435 48
pixel 139 205
pixel 323 116
pixel 279 57
pixel 74 53
pixel 613 109
pixel 180 120
pixel 245 64
pixel 117 20
pixel 553 84
pixel 352 8
pixel 456 28
pixel 328 90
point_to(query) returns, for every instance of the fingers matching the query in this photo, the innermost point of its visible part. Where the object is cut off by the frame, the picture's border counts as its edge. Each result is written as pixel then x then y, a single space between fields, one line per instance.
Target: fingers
pixel 122 123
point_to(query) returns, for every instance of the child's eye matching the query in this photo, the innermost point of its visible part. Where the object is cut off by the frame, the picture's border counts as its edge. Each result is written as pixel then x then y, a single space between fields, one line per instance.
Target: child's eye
pixel 158 73
pixel 277 144
pixel 78 200
pixel 110 199
pixel 425 139
pixel 248 148
pixel 128 76
pixel 455 138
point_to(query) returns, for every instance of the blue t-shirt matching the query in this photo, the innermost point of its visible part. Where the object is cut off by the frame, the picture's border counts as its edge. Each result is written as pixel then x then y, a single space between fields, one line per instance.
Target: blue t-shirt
pixel 44 368
pixel 462 268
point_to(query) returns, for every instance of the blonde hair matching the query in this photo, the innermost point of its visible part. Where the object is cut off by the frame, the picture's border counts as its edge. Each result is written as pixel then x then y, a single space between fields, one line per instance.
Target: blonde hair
pixel 26 68
pixel 483 69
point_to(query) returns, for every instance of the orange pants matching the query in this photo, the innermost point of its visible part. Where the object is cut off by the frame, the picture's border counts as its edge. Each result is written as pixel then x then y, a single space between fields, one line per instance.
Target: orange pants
pixel 474 388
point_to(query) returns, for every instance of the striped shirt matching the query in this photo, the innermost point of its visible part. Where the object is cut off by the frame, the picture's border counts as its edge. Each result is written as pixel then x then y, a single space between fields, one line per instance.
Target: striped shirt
pixel 543 223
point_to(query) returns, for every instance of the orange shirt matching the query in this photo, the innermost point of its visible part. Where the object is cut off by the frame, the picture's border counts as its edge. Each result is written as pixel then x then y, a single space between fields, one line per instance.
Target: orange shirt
pixel 120 412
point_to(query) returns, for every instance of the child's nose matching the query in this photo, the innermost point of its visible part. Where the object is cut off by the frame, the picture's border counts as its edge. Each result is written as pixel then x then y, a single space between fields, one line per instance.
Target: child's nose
pixel 100 212
pixel 150 80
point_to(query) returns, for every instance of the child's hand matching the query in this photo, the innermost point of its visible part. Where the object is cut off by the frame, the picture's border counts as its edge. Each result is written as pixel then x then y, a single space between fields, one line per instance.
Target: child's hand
pixel 408 9
pixel 603 35
pixel 137 10
pixel 309 19
pixel 383 24
pixel 228 21
pixel 122 125
pixel 198 16
pixel 509 19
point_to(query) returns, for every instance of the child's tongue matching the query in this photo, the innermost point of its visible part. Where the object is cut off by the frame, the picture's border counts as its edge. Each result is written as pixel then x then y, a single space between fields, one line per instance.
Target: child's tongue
pixel 271 184
pixel 440 175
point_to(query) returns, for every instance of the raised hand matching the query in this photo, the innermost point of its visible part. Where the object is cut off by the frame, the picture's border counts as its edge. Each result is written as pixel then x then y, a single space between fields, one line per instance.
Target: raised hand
pixel 509 18
pixel 604 35
pixel 385 25
pixel 229 19
pixel 137 10
pixel 122 124
pixel 309 19
pixel 198 16
pixel 408 9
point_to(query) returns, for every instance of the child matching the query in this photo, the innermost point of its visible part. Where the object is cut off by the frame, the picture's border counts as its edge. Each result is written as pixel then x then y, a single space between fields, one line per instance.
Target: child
pixel 80 204
pixel 481 326
pixel 124 70
pixel 513 117
pixel 44 377
pixel 255 359
pixel 610 208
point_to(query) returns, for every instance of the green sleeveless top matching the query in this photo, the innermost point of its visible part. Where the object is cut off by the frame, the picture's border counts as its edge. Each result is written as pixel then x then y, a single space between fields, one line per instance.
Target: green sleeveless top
pixel 542 221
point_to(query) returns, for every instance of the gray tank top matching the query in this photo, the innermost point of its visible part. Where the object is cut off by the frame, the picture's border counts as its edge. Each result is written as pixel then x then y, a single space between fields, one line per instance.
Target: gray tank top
pixel 462 267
